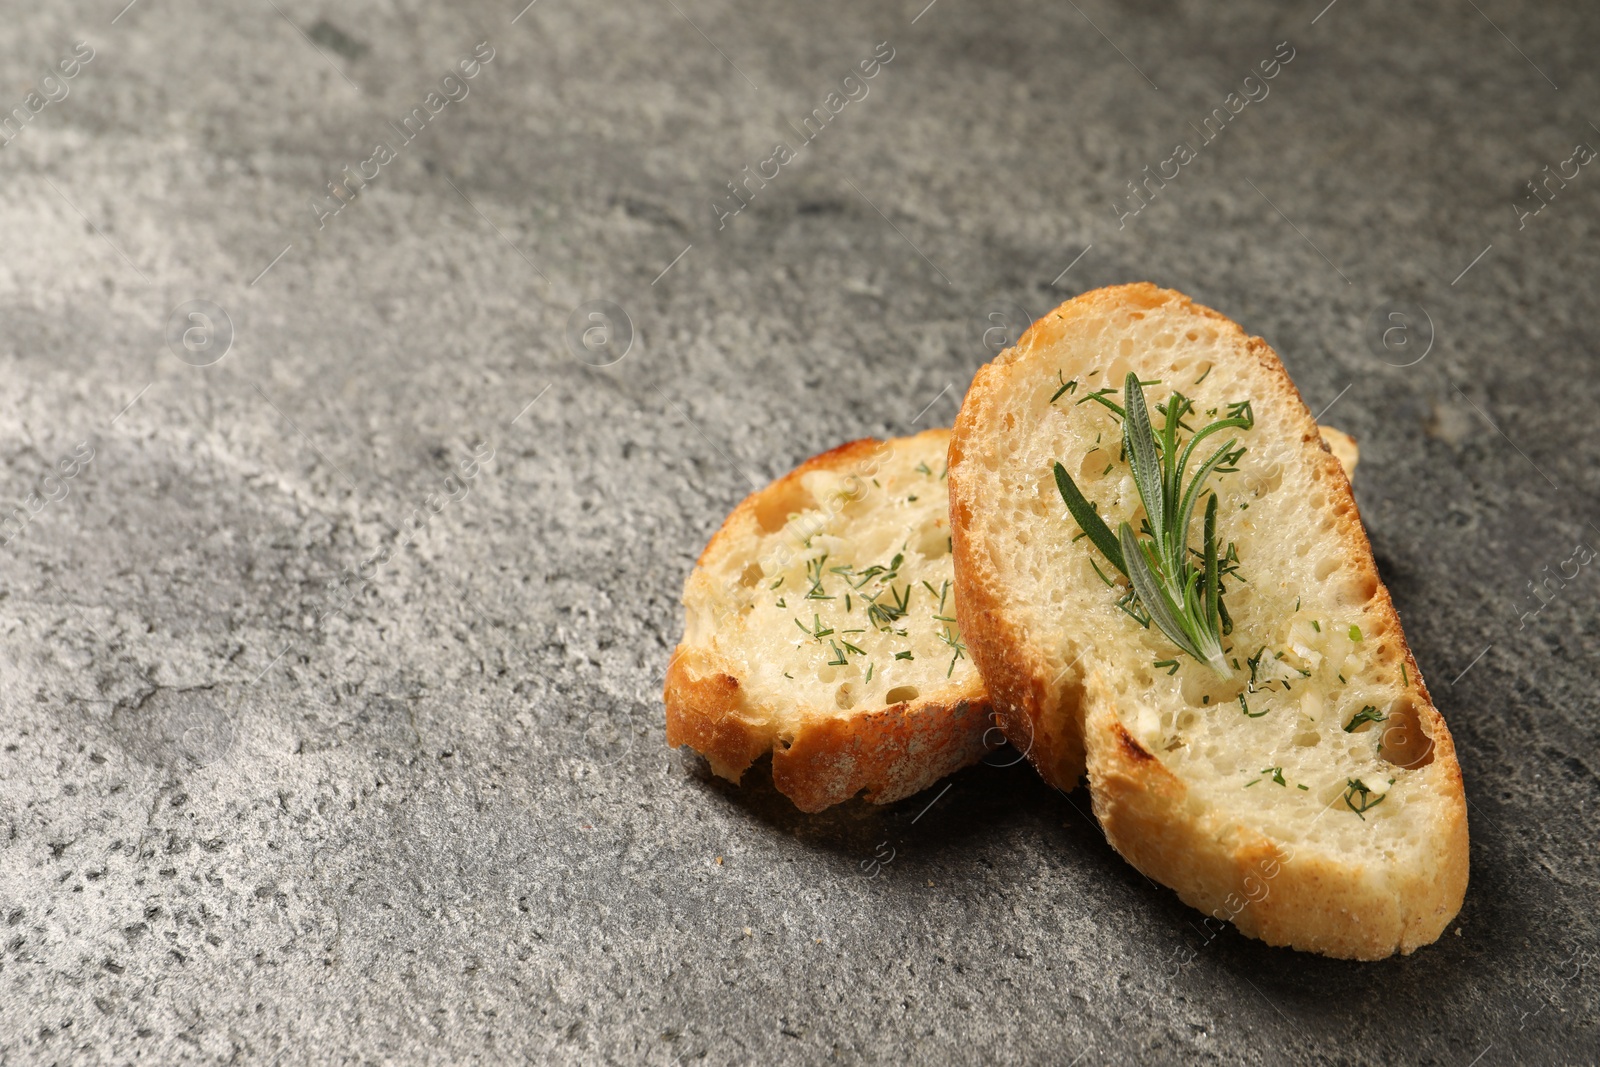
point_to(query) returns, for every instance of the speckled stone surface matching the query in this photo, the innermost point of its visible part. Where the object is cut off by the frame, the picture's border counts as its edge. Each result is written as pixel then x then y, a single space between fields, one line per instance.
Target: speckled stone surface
pixel 330 726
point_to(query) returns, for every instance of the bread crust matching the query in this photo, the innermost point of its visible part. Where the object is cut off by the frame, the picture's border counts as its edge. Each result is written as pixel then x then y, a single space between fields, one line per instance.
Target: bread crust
pixel 829 756
pixel 1214 864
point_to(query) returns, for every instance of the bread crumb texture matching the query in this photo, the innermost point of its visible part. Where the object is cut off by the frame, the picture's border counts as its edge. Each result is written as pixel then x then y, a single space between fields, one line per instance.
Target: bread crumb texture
pixel 820 623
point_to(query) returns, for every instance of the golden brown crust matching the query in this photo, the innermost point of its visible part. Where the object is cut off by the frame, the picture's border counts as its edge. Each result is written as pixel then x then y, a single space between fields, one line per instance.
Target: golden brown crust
pixel 887 753
pixel 1268 891
pixel 1344 448
pixel 890 753
pixel 703 712
pixel 1216 865
pixel 1037 711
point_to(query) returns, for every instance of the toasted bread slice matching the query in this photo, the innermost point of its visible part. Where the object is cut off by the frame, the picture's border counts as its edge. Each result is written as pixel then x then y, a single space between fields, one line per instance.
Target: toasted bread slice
pixel 1344 449
pixel 821 626
pixel 1312 797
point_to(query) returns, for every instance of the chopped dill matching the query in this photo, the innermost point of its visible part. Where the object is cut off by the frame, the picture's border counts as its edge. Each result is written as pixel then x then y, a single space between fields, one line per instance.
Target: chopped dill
pixel 814 572
pixel 1365 715
pixel 1353 787
pixel 1172 663
pixel 881 614
pixel 1066 387
pixel 904 655
pixel 817 632
pixel 1317 626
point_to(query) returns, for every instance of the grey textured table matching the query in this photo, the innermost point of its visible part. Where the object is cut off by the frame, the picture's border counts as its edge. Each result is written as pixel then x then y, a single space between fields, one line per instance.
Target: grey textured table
pixel 346 544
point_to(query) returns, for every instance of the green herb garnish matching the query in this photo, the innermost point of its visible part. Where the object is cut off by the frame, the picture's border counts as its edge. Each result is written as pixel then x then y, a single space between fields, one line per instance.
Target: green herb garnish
pixel 882 614
pixel 1182 598
pixel 1356 793
pixel 1366 714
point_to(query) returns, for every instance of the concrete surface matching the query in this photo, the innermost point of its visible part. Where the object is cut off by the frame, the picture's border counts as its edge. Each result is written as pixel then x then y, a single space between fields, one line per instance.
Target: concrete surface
pixel 253 811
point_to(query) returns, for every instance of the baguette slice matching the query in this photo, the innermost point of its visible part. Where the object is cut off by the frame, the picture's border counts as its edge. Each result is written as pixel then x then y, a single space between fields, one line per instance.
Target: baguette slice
pixel 1252 818
pixel 814 629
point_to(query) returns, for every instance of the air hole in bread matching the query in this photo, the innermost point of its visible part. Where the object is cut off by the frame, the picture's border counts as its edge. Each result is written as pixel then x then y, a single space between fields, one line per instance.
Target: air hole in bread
pixel 1327 567
pixel 1266 481
pixel 1405 743
pixel 1308 739
pixel 901 694
pixel 774 510
pixel 1316 501
pixel 1360 589
pixel 845 697
pixel 1125 347
pixel 1164 340
pixel 751 575
pixel 933 542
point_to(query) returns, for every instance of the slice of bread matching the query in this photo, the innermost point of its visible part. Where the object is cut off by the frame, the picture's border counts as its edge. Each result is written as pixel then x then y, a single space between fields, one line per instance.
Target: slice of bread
pixel 1313 797
pixel 821 626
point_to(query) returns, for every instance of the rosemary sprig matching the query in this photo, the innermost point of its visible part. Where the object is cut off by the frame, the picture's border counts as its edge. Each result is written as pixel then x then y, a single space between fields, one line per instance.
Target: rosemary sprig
pixel 1181 597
